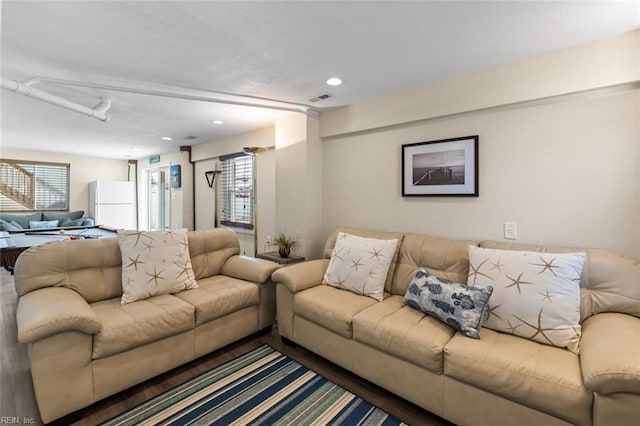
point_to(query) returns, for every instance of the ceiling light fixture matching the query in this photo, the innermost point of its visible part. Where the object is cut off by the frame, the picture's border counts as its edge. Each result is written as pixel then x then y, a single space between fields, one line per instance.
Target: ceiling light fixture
pixel 166 138
pixel 334 81
pixel 217 122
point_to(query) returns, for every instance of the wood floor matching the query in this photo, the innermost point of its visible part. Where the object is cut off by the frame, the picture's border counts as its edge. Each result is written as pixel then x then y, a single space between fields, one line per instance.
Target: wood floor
pixel 17 398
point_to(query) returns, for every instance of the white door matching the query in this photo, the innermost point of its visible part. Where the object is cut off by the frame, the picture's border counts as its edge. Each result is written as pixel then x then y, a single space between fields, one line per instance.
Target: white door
pixel 158 199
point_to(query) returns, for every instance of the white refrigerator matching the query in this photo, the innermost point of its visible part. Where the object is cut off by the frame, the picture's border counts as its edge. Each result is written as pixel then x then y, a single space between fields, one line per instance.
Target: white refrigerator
pixel 113 204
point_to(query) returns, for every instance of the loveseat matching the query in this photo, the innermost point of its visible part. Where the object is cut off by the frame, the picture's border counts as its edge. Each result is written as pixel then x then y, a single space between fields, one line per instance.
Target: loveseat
pixel 85 345
pixel 498 379
pixel 20 221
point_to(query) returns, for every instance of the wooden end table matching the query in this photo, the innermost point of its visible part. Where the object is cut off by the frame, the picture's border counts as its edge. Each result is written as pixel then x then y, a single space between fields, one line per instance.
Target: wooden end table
pixel 275 257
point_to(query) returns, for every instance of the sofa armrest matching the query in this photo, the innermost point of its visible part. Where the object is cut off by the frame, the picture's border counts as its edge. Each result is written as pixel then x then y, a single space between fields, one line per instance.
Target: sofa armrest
pixel 53 310
pixel 249 268
pixel 301 276
pixel 610 353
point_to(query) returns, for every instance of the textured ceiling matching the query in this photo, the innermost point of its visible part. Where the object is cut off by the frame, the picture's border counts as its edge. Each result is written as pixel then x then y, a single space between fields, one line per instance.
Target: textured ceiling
pixel 281 50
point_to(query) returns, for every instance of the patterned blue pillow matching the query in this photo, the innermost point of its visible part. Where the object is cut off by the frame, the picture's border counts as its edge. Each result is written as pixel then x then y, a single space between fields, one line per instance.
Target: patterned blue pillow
pixel 460 306
pixel 43 224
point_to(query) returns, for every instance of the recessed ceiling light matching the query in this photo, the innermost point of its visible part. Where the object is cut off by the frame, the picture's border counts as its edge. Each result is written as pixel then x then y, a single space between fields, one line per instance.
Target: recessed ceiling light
pixel 334 81
pixel 137 149
pixel 217 122
pixel 166 138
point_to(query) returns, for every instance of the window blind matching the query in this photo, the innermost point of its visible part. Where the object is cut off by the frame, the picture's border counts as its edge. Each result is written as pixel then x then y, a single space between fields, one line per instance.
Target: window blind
pixel 34 186
pixel 236 196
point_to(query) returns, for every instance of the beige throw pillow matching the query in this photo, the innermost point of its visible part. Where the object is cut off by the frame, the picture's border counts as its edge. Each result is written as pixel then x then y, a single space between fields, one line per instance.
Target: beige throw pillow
pixel 535 295
pixel 154 263
pixel 360 265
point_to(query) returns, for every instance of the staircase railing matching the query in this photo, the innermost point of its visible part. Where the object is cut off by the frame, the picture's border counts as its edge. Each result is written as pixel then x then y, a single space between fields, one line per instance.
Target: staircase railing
pixel 17 184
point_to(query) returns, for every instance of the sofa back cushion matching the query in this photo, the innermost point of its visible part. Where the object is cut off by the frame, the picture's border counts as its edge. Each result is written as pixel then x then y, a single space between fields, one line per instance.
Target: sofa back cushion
pixel 364 233
pixel 93 268
pixel 21 218
pixel 62 216
pixel 610 282
pixel 441 257
pixel 210 249
pixel 90 267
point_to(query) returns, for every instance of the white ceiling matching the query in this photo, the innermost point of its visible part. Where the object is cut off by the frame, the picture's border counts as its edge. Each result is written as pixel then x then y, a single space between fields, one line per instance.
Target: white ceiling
pixel 281 50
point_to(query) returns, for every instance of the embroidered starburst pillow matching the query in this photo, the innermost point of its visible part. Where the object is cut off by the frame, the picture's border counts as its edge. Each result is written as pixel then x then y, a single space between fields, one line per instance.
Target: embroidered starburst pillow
pixel 360 265
pixel 154 263
pixel 535 295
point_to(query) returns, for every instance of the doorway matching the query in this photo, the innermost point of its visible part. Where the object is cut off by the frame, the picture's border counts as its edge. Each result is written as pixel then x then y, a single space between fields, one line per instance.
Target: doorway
pixel 159 199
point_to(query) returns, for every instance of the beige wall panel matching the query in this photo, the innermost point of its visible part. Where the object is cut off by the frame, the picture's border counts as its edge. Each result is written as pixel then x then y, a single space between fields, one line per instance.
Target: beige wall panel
pixel 603 63
pixel 565 170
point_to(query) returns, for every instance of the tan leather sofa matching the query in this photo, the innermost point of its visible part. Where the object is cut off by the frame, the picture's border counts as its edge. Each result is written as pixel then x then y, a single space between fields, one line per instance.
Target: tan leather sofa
pixel 84 345
pixel 500 379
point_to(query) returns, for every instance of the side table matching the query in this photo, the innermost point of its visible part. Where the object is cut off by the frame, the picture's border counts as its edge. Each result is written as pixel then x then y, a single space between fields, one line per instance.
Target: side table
pixel 275 257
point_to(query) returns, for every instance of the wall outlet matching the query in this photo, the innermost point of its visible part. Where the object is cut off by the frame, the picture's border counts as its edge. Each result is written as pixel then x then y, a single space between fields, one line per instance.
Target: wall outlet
pixel 510 231
pixel 269 240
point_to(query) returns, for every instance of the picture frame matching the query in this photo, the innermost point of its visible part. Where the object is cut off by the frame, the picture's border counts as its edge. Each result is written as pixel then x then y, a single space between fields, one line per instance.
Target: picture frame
pixel 445 167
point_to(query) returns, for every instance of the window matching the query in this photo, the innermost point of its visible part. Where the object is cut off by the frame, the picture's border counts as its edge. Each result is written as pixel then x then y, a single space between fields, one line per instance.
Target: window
pixel 33 186
pixel 236 196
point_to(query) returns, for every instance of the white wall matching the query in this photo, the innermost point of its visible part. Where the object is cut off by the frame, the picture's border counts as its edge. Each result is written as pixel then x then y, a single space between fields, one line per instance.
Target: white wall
pixel 206 157
pixel 83 170
pixel 299 182
pixel 563 167
pixel 565 172
pixel 205 196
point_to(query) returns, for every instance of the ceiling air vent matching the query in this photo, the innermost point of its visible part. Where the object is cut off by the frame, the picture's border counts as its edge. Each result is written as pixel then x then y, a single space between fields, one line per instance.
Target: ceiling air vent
pixel 322 97
pixel 190 138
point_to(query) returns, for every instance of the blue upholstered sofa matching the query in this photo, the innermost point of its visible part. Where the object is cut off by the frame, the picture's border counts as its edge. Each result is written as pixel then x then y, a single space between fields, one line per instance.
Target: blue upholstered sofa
pixel 19 221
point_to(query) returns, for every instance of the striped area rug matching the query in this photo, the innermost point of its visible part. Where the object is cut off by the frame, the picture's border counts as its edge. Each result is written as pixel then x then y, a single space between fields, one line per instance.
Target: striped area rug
pixel 262 387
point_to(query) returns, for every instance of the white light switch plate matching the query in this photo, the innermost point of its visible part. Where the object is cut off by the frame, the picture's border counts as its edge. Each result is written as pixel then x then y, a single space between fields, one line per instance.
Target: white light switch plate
pixel 510 231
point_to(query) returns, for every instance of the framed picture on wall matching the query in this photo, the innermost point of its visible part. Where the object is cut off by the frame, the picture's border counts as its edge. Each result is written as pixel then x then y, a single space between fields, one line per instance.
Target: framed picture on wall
pixel 447 167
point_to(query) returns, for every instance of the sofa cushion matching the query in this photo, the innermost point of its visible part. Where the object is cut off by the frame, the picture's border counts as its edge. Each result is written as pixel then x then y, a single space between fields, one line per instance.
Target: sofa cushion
pixel 154 263
pixel 72 222
pixel 360 265
pixel 536 295
pixel 209 250
pixel 62 216
pixel 402 331
pixel 9 226
pixel 135 324
pixel 539 376
pixel 22 219
pixel 332 308
pixel 441 257
pixel 220 295
pixel 459 306
pixel 608 283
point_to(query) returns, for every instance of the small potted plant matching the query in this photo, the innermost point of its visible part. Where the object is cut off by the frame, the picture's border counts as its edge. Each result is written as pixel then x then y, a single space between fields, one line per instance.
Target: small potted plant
pixel 285 244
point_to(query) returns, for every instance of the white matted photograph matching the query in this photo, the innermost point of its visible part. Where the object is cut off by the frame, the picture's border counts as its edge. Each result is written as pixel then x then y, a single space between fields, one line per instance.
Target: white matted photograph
pixel 447 167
